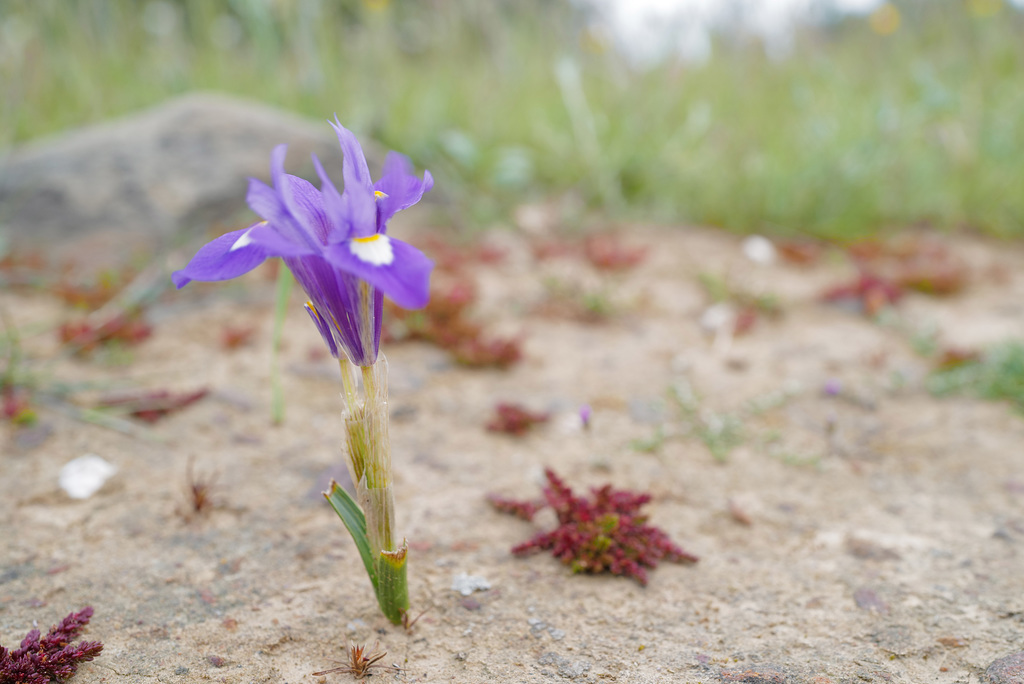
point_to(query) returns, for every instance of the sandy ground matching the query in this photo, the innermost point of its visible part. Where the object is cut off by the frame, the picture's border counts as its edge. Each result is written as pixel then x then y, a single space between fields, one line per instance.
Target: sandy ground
pixel 886 527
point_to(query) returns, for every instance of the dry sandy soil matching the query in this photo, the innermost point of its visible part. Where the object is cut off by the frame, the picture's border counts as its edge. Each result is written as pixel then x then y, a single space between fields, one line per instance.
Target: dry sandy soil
pixel 886 527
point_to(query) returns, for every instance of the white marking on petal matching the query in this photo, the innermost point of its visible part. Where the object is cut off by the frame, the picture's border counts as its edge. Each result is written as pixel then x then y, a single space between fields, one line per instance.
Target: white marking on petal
pixel 242 241
pixel 375 250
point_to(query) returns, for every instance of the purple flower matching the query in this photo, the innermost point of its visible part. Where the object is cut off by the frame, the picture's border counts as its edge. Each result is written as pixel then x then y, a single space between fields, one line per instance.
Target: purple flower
pixel 335 244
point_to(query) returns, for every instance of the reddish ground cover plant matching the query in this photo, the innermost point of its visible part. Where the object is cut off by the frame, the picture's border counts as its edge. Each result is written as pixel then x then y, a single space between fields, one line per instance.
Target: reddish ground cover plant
pixel 91 295
pixel 514 419
pixel 151 406
pixel 85 336
pixel 955 357
pixel 603 533
pixel 869 293
pixel 445 323
pixel 41 660
pixel 16 404
pixel 800 251
pixel 609 253
pixel 233 337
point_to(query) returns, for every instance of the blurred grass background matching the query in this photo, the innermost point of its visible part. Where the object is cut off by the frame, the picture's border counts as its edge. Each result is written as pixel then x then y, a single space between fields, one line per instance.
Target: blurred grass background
pixel 914 114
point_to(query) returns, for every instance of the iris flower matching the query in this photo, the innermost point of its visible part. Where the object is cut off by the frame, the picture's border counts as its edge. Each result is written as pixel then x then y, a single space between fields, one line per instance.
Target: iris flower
pixel 335 243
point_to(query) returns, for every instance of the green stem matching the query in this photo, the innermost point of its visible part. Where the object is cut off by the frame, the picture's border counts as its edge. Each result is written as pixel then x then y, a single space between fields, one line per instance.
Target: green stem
pixel 369 460
pixel 284 290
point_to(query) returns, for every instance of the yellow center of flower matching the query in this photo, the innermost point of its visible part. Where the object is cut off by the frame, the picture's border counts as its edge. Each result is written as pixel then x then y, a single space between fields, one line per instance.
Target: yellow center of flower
pixel 379 194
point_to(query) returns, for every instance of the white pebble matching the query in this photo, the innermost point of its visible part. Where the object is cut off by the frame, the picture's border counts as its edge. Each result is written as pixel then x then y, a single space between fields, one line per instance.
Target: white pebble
pixel 759 249
pixel 467 584
pixel 83 477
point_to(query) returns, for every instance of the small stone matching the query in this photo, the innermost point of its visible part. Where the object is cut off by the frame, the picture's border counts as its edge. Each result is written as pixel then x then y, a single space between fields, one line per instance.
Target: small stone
pixel 757 674
pixel 470 604
pixel 216 660
pixel 1007 670
pixel 759 249
pixel 84 476
pixel 868 599
pixel 181 670
pixel 570 669
pixel 556 634
pixel 952 642
pixel 461 655
pixel 467 584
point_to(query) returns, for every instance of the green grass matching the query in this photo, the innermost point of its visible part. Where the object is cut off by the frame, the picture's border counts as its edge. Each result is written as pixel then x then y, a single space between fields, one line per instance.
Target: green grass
pixel 854 133
pixel 998 375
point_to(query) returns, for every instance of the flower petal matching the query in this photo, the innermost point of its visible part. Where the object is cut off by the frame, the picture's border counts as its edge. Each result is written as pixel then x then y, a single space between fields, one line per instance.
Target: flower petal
pixel 336 296
pixel 323 327
pixel 268 204
pixel 307 207
pixel 334 206
pixel 396 268
pixel 230 255
pixel 358 198
pixel 401 188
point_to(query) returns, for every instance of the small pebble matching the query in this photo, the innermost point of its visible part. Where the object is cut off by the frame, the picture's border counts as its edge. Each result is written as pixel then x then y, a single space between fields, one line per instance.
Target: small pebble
pixel 756 674
pixel 868 599
pixel 467 584
pixel 84 476
pixel 759 249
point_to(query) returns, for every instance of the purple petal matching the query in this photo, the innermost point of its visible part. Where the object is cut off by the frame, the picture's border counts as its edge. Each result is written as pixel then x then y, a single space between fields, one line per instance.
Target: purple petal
pixel 336 296
pixel 277 167
pixel 307 207
pixel 298 199
pixel 226 257
pixel 323 327
pixel 401 188
pixel 355 172
pixel 334 206
pixel 359 201
pixel 396 268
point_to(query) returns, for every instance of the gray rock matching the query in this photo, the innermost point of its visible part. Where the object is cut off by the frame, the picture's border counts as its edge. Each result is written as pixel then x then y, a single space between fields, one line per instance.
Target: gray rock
pixel 1007 670
pixel 569 669
pixel 183 163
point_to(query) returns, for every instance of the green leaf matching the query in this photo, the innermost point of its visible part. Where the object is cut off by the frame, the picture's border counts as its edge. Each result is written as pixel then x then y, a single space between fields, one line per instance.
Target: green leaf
pixel 350 513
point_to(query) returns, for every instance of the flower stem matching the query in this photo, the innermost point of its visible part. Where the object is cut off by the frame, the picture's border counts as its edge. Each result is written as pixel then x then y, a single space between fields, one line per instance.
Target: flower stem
pixel 369 460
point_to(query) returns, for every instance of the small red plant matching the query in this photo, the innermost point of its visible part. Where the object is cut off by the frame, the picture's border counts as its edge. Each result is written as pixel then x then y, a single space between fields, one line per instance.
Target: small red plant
pixel 85 336
pixel 869 292
pixel 50 658
pixel 513 419
pixel 954 357
pixel 151 406
pixel 800 252
pixel 914 262
pixel 233 337
pixel 200 489
pixel 360 661
pixel 608 253
pixel 444 322
pixel 603 533
pixel 93 295
pixel 16 405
